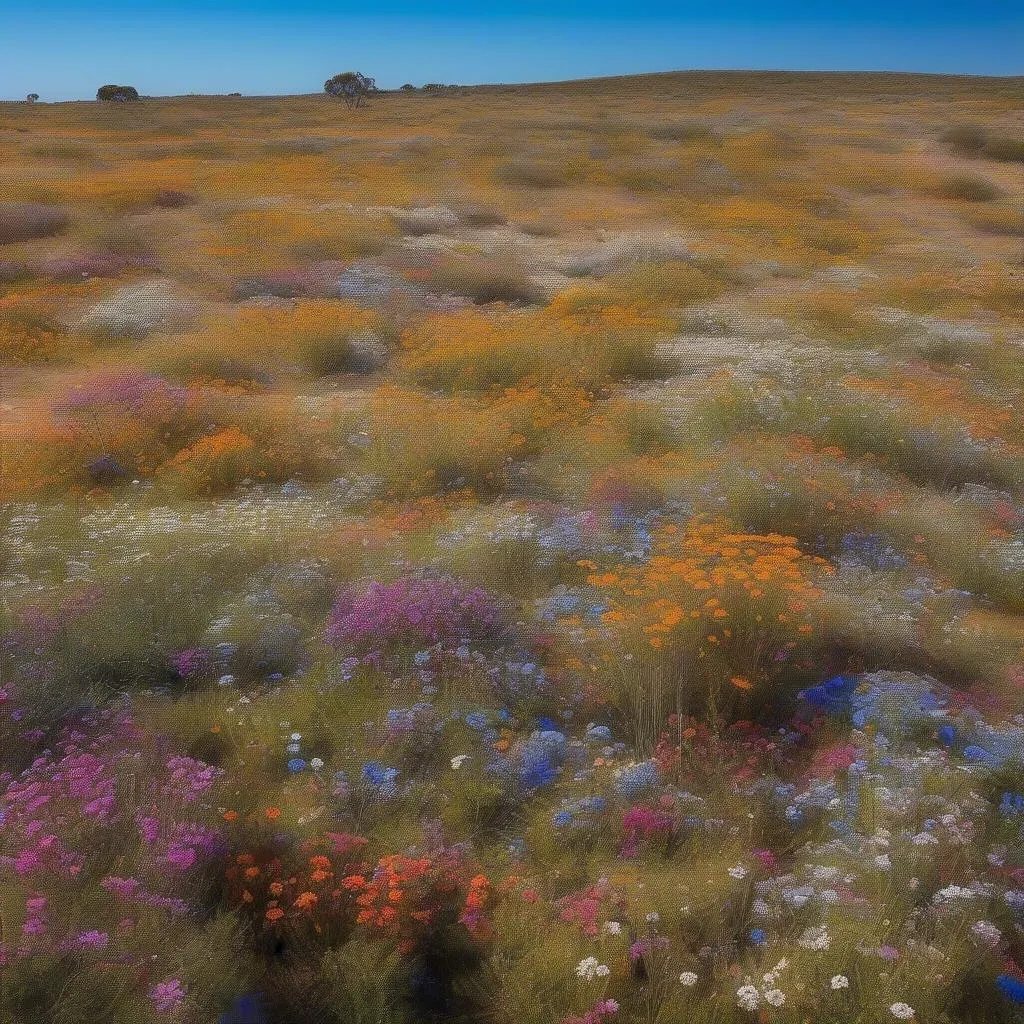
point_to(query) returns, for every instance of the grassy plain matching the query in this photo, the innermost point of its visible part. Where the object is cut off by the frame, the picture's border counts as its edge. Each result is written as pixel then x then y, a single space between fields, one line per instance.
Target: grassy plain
pixel 531 554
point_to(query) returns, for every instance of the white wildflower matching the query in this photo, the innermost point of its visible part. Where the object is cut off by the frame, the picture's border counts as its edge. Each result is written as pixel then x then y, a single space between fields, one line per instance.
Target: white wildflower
pixel 738 872
pixel 458 761
pixel 688 978
pixel 588 969
pixel 987 932
pixel 839 981
pixel 902 1011
pixel 775 997
pixel 816 939
pixel 748 998
pixel 953 892
pixel 770 980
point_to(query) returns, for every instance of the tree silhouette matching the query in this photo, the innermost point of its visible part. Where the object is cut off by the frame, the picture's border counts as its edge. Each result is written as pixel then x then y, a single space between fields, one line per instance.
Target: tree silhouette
pixel 117 94
pixel 32 97
pixel 351 86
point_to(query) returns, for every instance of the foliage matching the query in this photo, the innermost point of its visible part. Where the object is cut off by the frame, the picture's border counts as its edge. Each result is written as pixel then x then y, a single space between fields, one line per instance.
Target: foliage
pixel 117 94
pixel 351 86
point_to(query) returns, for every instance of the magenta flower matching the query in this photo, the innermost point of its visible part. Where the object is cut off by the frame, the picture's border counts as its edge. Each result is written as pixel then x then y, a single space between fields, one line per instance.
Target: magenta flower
pixel 192 662
pixel 642 823
pixel 93 940
pixel 167 996
pixel 768 859
pixel 413 610
pixel 133 393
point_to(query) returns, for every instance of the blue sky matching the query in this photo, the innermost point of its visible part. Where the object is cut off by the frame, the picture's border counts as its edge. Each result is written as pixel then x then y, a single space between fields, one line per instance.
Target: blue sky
pixel 64 50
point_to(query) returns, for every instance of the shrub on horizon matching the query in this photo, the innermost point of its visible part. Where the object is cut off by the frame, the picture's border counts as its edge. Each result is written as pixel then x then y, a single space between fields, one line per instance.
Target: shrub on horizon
pixel 351 86
pixel 117 94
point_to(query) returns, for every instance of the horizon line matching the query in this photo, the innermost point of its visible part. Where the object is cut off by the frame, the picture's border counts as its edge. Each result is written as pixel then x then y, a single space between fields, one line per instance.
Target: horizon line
pixel 574 81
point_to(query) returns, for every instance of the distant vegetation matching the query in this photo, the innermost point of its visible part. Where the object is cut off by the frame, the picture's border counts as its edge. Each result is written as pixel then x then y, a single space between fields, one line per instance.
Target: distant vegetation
pixel 975 141
pixel 351 86
pixel 117 94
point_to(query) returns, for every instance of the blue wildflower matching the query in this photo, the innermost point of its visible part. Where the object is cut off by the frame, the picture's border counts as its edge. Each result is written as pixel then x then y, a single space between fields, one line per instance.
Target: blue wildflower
pixel 635 779
pixel 561 819
pixel 380 777
pixel 833 695
pixel 246 1009
pixel 1012 803
pixel 476 720
pixel 540 772
pixel 1011 987
pixel 871 550
pixel 975 753
pixel 296 764
pixel 758 936
pixel 947 735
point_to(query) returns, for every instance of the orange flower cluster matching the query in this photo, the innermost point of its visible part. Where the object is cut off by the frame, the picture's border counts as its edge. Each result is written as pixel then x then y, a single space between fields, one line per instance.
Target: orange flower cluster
pixel 570 340
pixel 392 524
pixel 472 912
pixel 399 897
pixel 710 590
pixel 307 894
pixel 28 336
pixel 386 895
pixel 405 895
pixel 932 399
pixel 215 462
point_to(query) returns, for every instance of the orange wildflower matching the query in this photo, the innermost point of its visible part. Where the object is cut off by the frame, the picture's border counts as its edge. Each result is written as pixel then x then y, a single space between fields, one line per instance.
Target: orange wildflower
pixel 306 900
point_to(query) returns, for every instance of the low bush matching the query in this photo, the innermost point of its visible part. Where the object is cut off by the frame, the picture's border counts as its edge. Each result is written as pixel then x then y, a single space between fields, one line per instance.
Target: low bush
pixel 482 280
pixel 21 222
pixel 524 172
pixel 969 188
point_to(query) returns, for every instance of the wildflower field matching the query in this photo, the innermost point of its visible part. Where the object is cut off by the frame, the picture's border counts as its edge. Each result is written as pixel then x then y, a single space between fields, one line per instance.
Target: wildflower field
pixel 525 555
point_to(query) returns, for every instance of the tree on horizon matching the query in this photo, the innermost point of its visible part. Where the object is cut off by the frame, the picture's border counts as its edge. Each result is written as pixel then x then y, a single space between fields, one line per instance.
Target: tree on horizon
pixel 117 94
pixel 351 86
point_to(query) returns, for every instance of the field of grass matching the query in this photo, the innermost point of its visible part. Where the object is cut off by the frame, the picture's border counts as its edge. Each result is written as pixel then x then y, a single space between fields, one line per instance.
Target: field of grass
pixel 527 555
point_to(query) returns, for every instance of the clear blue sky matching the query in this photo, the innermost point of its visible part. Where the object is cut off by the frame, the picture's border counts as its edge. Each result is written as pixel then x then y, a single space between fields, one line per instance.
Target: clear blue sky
pixel 64 49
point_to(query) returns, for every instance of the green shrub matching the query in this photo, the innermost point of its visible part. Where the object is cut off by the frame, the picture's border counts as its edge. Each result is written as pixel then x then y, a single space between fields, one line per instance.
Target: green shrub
pixel 529 173
pixel 964 139
pixel 968 188
pixel 483 280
